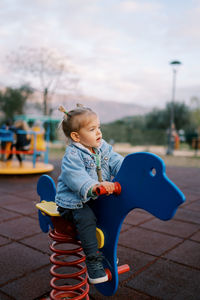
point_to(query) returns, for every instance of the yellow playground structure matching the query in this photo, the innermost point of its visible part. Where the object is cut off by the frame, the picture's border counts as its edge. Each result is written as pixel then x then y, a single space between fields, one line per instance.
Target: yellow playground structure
pixel 32 158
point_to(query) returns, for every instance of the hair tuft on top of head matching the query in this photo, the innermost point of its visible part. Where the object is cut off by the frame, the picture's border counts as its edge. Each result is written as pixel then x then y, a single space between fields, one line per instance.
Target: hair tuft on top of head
pixel 62 109
pixel 79 105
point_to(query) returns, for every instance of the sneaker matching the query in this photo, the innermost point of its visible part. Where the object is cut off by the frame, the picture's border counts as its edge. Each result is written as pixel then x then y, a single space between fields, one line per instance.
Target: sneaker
pixel 95 269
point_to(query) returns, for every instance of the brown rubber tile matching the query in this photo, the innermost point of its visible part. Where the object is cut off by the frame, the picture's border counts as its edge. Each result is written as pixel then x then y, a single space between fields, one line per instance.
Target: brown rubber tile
pixel 19 228
pixel 187 253
pixel 172 227
pixel 164 257
pixel 167 280
pixel 147 241
pixel 17 260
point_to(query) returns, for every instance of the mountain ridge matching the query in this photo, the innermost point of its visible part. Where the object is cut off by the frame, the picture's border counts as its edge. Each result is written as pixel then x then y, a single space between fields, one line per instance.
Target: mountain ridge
pixel 108 111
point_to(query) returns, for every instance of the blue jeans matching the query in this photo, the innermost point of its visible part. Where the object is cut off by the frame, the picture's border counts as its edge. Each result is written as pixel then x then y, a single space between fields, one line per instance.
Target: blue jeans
pixel 85 222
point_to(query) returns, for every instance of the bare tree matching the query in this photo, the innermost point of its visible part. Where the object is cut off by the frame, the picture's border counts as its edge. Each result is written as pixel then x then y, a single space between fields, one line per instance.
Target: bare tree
pixel 46 71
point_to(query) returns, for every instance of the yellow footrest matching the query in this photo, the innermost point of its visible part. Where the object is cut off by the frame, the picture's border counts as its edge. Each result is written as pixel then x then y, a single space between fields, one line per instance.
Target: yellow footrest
pixel 49 208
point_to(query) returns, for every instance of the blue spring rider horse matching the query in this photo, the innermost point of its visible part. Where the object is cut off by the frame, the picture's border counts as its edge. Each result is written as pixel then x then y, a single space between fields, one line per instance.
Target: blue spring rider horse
pixel 144 185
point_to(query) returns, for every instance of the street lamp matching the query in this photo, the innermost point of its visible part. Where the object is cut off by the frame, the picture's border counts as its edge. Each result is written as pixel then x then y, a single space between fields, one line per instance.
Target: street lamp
pixel 175 64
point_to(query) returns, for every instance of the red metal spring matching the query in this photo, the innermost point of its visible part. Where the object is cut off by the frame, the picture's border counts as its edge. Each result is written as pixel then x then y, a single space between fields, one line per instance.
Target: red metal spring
pixel 73 291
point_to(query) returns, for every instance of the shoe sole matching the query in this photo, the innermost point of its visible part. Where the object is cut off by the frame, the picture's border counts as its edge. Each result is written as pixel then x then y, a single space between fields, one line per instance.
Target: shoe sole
pixel 98 280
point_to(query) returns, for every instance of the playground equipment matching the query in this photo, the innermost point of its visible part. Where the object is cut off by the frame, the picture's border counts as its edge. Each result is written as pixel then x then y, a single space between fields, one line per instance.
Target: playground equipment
pixel 6 137
pixel 144 185
pixel 13 167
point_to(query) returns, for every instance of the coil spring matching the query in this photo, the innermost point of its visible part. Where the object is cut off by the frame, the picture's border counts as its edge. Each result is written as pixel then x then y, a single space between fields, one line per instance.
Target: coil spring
pixel 73 291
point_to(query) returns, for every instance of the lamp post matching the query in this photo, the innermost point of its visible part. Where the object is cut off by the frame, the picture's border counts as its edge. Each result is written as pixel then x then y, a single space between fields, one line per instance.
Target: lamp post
pixel 174 65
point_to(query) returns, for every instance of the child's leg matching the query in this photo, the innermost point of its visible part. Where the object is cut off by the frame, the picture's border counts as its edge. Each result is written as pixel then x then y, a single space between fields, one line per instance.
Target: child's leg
pixel 19 158
pixel 85 222
pixel 18 148
pixel 10 155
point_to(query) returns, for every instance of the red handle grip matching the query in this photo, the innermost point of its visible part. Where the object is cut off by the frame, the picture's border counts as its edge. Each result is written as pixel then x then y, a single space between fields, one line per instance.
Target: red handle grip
pixel 102 191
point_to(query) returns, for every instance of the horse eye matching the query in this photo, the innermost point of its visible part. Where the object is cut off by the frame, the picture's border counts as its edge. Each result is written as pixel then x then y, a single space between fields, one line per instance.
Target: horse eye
pixel 153 172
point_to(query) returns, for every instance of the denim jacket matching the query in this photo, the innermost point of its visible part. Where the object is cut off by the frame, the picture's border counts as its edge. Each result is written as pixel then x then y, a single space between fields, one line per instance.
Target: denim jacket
pixel 78 173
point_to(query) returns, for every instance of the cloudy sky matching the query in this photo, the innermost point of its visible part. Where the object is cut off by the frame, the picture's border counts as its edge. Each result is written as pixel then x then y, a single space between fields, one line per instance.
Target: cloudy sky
pixel 121 48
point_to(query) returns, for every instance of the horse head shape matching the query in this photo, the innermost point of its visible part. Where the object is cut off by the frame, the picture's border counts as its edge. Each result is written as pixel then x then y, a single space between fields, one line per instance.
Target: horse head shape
pixel 144 185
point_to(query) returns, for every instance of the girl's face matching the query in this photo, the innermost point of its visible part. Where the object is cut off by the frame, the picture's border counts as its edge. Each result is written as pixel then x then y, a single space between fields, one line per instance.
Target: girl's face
pixel 90 135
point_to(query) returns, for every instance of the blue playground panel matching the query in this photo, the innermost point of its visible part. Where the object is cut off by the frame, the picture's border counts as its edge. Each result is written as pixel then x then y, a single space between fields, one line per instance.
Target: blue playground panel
pixel 6 135
pixel 144 185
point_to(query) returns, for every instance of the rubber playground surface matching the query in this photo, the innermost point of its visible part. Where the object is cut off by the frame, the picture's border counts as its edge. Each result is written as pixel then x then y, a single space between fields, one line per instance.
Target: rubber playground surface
pixel 164 257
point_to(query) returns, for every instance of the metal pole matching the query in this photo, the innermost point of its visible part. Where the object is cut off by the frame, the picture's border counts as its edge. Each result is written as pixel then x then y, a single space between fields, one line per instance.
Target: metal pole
pixel 170 138
pixel 173 95
pixel 171 144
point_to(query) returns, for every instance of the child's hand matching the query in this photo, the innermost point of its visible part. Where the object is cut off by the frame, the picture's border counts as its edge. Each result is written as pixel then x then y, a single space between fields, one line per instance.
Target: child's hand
pixel 109 186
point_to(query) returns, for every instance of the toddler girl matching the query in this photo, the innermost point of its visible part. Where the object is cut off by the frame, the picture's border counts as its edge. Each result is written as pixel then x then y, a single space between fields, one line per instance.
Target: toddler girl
pixel 88 162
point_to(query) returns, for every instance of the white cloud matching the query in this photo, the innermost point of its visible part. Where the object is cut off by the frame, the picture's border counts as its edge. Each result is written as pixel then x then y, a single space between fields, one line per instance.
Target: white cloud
pixel 131 6
pixel 121 49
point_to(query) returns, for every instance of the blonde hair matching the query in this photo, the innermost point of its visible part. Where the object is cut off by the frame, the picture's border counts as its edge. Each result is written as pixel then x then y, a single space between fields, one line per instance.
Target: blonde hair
pixel 22 125
pixel 75 119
